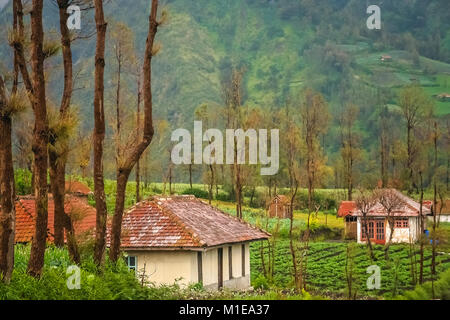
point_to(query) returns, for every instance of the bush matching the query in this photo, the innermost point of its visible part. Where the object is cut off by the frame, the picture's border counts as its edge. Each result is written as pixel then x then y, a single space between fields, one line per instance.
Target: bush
pixel 23 181
pixel 198 193
pixel 224 196
pixel 261 282
pixel 424 292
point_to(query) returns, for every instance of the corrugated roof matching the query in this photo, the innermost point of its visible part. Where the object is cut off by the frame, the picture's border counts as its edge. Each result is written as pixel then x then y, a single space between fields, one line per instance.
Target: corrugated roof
pixel 183 222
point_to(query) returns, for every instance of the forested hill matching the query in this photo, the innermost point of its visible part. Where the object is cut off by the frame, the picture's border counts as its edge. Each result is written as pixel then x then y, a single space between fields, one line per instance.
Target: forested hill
pixel 283 46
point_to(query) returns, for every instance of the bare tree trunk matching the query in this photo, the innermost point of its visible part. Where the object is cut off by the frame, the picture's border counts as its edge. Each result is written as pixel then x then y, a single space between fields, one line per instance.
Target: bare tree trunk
pixel 297 276
pixel 366 233
pixel 7 191
pixel 434 244
pixel 58 161
pixel 19 29
pixel 99 135
pixel 40 141
pixel 391 224
pixel 422 228
pixel 190 175
pixel 130 162
pixel 138 164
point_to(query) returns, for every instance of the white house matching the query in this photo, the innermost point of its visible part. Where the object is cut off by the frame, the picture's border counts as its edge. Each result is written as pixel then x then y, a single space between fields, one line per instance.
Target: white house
pixel 406 221
pixel 183 239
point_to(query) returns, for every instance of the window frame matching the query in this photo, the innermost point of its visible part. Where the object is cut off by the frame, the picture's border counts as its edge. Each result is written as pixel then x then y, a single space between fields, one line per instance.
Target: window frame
pixel 401 223
pixel 127 261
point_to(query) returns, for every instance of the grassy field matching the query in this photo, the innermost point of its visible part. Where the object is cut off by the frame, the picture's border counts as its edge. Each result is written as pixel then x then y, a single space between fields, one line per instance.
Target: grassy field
pixel 326 268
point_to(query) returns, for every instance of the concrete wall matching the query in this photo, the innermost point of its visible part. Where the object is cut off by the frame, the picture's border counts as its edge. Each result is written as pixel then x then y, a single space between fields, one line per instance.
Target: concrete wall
pixel 405 235
pixel 442 218
pixel 164 267
pixel 401 235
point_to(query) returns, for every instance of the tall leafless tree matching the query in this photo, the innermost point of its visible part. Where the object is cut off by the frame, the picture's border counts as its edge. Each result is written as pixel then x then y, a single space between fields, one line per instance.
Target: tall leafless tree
pixel 127 166
pixel 7 192
pixel 391 202
pixel 40 141
pixel 99 134
pixel 365 201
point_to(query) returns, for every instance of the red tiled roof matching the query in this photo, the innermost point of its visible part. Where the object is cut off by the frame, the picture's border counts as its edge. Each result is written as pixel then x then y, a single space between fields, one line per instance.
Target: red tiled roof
pixel 445 209
pixel 346 208
pixel 183 222
pixel 77 187
pixel 83 216
pixel 411 208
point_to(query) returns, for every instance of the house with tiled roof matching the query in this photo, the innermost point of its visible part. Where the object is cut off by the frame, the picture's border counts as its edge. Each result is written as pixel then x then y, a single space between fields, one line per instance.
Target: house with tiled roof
pixel 83 218
pixel 442 210
pixel 406 221
pixel 78 189
pixel 166 239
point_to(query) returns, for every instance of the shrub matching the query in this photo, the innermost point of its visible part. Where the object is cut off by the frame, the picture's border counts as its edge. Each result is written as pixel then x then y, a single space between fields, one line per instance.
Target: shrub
pixel 198 193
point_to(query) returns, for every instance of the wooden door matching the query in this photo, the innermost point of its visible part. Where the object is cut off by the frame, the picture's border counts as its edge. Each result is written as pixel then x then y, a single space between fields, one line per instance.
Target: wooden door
pixel 376 231
pixel 380 232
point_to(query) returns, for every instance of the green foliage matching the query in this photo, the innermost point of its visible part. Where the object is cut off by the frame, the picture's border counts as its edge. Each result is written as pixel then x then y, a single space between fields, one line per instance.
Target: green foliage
pixel 23 181
pixel 113 282
pixel 425 291
pixel 198 193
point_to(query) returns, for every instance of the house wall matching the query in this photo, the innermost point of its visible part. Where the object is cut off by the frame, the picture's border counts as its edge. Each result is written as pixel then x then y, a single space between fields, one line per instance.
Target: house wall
pixel 164 267
pixel 278 210
pixel 401 235
pixel 442 218
pixel 405 235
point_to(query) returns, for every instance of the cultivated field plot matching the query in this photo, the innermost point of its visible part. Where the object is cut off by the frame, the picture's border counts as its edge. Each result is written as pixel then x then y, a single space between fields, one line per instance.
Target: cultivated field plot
pixel 326 268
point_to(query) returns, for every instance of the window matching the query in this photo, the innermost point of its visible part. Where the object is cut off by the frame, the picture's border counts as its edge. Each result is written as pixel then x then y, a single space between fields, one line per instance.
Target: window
pixel 402 223
pixel 131 262
pixel 370 230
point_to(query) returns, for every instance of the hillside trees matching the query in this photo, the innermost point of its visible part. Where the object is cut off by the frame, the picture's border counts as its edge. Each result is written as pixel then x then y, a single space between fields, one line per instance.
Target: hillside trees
pixel 414 104
pixel 292 144
pixel 314 117
pixel 350 151
pixel 232 94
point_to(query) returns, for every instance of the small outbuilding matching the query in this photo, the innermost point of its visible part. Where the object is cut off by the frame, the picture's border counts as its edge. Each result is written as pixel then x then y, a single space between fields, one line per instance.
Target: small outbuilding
pixel 386 58
pixel 280 207
pixel 183 239
pixel 442 210
pixel 406 221
pixel 444 97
